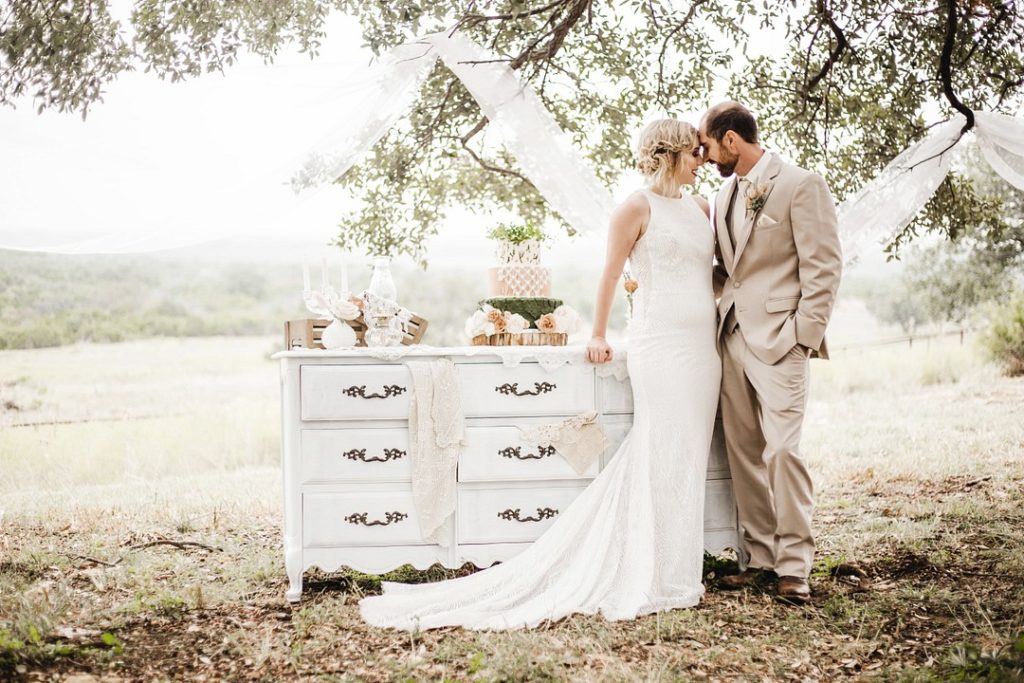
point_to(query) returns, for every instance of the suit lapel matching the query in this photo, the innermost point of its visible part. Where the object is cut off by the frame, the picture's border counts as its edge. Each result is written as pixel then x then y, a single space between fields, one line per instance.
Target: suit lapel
pixel 721 229
pixel 774 166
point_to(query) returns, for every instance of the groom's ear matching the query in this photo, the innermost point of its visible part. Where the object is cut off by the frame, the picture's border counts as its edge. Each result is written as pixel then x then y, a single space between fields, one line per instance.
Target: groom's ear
pixel 729 140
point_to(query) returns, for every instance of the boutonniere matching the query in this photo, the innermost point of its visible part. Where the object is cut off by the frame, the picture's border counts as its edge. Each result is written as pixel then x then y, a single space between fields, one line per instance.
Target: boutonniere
pixel 756 197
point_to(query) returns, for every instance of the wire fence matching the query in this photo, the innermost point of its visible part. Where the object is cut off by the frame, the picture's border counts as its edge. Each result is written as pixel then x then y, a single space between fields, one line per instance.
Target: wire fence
pixel 963 334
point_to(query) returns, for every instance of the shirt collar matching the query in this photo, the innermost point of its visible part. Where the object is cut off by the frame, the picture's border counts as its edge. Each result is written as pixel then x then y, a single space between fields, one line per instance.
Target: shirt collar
pixel 758 168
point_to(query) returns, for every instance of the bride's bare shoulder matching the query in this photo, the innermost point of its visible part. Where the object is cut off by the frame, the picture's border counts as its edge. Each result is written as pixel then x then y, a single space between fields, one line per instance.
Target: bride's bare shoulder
pixel 635 204
pixel 632 214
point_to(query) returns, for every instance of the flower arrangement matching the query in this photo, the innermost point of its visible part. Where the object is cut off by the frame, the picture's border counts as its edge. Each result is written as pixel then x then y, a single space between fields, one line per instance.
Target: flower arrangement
pixel 518 244
pixel 488 321
pixel 756 197
pixel 630 285
pixel 516 234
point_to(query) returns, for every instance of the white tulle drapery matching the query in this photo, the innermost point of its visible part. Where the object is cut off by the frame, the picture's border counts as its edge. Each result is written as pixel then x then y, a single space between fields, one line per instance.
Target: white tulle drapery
pixel 306 125
pixel 888 203
pixel 543 151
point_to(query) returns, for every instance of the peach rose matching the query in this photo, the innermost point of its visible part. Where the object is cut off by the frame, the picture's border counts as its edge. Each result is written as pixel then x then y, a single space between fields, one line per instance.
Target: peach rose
pixel 495 316
pixel 499 324
pixel 547 323
pixel 631 285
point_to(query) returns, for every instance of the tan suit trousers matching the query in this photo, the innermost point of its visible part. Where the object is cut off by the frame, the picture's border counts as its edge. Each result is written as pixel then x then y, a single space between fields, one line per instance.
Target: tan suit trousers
pixel 762 412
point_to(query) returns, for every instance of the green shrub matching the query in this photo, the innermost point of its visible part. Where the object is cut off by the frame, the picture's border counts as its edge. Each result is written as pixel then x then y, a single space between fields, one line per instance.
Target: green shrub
pixel 1005 338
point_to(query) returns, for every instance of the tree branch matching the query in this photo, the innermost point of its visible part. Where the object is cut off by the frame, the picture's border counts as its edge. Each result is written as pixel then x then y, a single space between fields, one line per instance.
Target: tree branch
pixel 471 20
pixel 946 66
pixel 664 46
pixel 464 141
pixel 835 53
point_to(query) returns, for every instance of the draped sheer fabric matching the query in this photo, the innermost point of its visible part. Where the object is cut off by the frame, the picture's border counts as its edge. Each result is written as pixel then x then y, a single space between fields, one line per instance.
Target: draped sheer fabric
pixel 888 203
pixel 544 153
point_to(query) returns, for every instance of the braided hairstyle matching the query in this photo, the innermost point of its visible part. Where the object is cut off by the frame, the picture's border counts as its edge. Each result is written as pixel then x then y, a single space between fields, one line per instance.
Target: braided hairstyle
pixel 660 145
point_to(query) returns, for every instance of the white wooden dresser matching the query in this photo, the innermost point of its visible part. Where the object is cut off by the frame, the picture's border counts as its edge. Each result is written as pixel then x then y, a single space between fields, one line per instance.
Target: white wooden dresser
pixel 347 474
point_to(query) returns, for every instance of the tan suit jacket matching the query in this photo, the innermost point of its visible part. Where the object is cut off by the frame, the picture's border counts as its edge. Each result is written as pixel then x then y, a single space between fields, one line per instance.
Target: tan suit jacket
pixel 783 275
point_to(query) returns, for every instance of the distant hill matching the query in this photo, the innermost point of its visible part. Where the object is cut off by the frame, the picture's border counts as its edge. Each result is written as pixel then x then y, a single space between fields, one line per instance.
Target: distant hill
pixel 52 300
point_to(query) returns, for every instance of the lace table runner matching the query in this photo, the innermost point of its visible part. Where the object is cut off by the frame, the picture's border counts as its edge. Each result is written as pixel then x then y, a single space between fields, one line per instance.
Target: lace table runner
pixel 436 436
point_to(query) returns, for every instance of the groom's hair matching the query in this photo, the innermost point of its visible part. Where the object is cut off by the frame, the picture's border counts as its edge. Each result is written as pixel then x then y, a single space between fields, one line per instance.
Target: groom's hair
pixel 733 116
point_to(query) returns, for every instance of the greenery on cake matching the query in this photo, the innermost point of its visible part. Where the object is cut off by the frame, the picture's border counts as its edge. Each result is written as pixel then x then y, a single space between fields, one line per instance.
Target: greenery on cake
pixel 530 308
pixel 516 234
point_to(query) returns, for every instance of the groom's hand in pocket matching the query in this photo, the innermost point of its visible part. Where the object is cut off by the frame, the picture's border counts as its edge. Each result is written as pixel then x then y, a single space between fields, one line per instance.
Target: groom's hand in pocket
pixel 598 350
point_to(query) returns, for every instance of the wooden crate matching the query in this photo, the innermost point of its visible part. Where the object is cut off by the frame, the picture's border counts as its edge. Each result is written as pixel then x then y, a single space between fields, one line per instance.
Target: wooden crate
pixel 306 334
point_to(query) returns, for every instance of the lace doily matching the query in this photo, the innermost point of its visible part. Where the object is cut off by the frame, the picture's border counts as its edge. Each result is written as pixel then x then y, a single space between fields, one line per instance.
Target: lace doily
pixel 579 439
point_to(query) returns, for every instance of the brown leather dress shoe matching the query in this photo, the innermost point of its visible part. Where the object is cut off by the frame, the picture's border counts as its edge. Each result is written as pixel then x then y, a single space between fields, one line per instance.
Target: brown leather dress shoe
pixel 793 590
pixel 750 577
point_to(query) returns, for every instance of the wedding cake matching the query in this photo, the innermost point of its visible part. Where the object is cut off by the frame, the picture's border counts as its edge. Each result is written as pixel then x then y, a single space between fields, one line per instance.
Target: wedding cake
pixel 519 309
pixel 519 272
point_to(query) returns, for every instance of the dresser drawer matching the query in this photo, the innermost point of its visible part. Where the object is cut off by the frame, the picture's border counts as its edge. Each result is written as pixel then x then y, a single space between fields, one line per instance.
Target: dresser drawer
pixel 367 518
pixel 497 453
pixel 616 396
pixel 355 455
pixel 510 515
pixel 354 392
pixel 719 505
pixel 527 389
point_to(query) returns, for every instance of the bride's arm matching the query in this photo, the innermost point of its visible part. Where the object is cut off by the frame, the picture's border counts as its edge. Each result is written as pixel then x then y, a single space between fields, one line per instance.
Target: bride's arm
pixel 627 224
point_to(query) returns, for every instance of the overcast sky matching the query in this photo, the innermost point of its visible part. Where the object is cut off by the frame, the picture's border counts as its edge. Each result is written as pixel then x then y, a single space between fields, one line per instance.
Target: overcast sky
pixel 210 156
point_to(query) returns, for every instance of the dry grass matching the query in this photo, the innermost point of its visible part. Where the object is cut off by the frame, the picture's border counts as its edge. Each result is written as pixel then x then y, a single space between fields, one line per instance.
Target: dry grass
pixel 918 457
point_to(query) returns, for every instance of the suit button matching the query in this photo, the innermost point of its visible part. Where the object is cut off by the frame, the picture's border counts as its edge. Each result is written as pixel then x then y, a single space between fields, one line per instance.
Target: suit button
pixel 736 285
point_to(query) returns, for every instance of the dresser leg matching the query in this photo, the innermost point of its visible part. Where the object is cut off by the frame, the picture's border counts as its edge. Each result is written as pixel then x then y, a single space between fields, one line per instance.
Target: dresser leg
pixel 293 566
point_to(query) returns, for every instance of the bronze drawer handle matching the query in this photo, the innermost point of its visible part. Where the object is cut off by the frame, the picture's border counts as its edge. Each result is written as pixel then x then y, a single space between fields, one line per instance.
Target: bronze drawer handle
pixel 389 391
pixel 517 453
pixel 513 389
pixel 542 514
pixel 360 518
pixel 389 454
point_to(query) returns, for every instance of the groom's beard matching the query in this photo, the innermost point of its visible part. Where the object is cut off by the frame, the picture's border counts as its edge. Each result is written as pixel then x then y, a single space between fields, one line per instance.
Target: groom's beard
pixel 727 167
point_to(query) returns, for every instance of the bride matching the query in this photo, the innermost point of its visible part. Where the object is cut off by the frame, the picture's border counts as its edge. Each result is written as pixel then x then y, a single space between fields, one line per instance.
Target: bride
pixel 632 542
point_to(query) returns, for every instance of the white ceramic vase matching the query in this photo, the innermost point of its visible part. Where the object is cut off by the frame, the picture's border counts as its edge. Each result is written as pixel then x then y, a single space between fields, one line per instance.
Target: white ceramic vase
pixel 337 335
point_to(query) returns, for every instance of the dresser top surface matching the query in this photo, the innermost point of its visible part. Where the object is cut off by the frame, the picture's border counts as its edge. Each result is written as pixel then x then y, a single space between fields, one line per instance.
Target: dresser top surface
pixel 571 352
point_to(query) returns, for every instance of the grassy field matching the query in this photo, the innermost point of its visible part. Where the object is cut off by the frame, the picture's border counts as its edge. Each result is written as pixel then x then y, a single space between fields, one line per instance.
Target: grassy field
pixel 140 500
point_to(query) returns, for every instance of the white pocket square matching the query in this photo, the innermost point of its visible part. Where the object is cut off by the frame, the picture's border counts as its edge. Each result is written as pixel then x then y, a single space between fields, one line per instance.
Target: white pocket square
pixel 764 220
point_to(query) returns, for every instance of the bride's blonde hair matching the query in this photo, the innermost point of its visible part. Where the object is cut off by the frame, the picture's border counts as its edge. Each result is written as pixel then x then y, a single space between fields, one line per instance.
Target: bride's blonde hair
pixel 659 146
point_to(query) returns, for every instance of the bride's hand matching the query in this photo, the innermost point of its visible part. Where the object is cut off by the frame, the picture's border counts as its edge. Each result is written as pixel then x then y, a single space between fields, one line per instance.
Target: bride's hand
pixel 598 350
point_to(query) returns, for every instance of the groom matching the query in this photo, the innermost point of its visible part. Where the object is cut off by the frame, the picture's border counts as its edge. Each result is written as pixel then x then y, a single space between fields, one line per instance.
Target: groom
pixel 777 269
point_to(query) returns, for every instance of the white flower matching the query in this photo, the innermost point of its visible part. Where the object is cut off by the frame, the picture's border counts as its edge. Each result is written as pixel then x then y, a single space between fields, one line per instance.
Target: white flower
pixel 477 324
pixel 515 323
pixel 567 319
pixel 345 310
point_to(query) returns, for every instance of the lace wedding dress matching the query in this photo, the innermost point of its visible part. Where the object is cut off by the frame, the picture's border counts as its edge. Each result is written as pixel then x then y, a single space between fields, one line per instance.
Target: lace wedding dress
pixel 632 542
